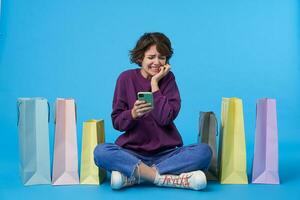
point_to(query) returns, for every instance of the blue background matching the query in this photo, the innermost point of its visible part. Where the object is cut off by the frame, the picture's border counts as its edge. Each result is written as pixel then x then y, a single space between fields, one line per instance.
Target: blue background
pixel 76 48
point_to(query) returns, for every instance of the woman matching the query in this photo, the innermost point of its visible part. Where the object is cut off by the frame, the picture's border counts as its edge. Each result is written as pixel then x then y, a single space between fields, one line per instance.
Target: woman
pixel 151 148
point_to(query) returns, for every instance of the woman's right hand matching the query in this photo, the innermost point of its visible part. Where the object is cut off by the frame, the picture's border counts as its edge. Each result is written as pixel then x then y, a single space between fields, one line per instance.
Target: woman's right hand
pixel 140 108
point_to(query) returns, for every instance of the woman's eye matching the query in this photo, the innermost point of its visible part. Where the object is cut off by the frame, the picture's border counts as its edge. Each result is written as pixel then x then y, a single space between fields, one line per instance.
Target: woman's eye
pixel 162 58
pixel 151 57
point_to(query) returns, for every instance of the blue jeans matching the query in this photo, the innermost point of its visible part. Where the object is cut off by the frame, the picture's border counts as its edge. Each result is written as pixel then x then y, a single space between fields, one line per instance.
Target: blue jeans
pixel 173 161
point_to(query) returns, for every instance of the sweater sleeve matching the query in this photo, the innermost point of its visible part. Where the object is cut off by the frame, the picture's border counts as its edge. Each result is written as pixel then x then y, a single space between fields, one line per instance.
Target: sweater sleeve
pixel 121 115
pixel 167 103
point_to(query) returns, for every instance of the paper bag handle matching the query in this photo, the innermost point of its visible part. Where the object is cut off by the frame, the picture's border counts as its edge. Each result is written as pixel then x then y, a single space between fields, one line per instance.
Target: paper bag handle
pixel 18 112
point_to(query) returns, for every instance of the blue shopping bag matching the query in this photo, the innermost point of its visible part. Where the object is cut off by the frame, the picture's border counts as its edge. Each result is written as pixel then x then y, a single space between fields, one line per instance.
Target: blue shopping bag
pixel 33 131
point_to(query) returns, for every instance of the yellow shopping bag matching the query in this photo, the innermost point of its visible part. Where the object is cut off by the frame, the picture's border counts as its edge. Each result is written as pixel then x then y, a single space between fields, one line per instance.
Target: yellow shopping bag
pixel 233 147
pixel 92 134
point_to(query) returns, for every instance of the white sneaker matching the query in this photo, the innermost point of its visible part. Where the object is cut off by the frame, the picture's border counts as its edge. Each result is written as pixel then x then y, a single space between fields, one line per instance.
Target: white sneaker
pixel 195 180
pixel 119 180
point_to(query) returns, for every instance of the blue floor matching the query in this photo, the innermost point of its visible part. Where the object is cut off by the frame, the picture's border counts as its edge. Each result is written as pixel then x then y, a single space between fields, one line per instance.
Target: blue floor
pixel 12 188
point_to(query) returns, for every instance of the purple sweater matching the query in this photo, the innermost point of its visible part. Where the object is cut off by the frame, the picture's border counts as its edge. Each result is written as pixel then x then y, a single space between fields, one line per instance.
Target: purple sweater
pixel 155 131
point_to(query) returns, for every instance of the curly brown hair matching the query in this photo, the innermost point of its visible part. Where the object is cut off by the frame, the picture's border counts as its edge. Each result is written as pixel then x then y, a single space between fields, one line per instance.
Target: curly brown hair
pixel 162 42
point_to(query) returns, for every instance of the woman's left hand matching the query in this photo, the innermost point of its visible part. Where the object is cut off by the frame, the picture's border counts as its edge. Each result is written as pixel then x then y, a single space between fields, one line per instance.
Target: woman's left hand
pixel 162 73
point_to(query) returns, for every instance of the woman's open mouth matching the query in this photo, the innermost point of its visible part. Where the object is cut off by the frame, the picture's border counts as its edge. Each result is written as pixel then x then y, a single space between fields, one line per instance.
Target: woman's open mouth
pixel 155 69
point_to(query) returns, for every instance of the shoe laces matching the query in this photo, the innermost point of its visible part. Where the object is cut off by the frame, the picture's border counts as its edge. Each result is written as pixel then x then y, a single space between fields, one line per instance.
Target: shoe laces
pixel 129 180
pixel 178 181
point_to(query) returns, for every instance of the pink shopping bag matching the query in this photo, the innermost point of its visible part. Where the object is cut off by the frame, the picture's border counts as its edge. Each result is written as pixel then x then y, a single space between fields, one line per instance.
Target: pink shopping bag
pixel 65 160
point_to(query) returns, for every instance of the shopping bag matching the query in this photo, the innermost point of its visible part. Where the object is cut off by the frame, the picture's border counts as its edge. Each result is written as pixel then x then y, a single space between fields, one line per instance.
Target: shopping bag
pixel 92 135
pixel 265 162
pixel 33 131
pixel 233 147
pixel 65 159
pixel 208 130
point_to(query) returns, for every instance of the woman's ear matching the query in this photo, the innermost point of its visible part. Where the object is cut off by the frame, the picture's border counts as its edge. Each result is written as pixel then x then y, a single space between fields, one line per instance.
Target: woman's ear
pixel 139 61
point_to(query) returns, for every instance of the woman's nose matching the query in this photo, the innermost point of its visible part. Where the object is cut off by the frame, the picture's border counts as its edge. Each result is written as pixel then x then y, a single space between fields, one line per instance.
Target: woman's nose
pixel 157 61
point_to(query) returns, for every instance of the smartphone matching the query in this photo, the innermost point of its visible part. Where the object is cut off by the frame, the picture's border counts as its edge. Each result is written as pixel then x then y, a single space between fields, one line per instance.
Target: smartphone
pixel 146 96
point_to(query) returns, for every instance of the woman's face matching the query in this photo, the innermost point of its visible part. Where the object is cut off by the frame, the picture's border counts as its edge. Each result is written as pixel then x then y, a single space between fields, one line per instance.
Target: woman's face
pixel 151 62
